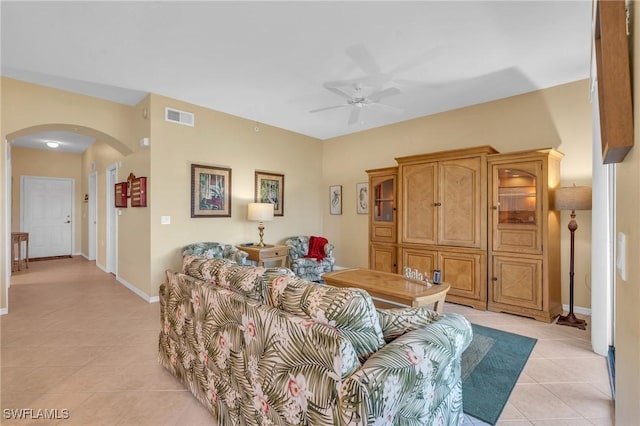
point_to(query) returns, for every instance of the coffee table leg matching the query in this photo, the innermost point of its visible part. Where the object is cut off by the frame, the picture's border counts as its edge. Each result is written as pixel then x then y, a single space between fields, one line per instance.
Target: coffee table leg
pixel 438 305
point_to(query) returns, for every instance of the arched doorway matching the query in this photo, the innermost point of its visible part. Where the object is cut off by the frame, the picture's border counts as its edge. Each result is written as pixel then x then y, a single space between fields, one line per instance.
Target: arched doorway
pixel 85 168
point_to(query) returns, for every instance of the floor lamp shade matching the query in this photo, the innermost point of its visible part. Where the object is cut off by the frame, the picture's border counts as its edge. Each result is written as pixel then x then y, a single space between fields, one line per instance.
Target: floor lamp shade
pixel 572 198
pixel 260 212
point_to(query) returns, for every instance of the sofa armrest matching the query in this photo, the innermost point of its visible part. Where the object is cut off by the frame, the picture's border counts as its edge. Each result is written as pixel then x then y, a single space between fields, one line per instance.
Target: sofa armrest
pixel 397 321
pixel 410 377
pixel 240 257
pixel 328 250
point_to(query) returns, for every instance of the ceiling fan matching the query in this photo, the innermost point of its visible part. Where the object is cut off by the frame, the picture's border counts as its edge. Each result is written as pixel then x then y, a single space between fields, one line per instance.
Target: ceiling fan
pixel 357 99
pixel 367 91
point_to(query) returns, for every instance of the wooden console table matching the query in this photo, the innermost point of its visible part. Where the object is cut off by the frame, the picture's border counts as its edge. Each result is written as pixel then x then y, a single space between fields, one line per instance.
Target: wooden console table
pixel 268 253
pixel 389 289
pixel 17 238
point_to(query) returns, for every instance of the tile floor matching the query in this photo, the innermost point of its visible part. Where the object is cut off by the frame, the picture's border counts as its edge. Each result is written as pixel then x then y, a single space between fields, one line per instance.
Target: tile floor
pixel 77 340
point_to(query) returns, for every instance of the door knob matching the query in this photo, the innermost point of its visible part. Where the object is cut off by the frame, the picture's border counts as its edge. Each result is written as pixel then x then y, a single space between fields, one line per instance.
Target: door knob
pixel 68 221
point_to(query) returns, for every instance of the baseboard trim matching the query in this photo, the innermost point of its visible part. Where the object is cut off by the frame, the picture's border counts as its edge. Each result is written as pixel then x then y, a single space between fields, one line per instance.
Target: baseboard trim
pixel 136 290
pixel 101 267
pixel 578 310
pixel 4 311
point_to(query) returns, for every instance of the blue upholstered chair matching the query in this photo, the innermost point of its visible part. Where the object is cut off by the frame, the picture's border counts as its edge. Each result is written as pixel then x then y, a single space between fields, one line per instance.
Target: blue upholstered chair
pixel 217 250
pixel 309 269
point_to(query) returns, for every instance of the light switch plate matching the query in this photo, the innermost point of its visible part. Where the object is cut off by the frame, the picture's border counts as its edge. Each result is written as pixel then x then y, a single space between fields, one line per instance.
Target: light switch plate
pixel 165 220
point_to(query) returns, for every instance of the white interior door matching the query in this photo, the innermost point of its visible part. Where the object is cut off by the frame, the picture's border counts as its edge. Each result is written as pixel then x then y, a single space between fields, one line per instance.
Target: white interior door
pixel 92 212
pixel 112 222
pixel 47 215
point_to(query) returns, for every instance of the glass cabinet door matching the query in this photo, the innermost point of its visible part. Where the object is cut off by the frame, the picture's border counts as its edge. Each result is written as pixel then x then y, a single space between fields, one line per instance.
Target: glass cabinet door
pixel 516 221
pixel 517 196
pixel 383 201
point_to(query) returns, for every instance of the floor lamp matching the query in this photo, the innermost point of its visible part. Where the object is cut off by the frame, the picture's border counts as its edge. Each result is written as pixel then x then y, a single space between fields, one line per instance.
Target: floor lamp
pixel 572 198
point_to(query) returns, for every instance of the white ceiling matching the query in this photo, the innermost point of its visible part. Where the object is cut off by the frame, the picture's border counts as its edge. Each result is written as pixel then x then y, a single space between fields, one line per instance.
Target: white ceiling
pixel 268 61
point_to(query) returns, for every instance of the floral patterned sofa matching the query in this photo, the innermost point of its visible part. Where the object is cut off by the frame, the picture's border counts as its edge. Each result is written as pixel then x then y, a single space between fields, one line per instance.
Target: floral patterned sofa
pixel 219 250
pixel 260 346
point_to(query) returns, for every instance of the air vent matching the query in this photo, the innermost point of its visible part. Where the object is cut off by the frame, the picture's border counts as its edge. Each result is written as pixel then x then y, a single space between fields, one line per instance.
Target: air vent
pixel 177 116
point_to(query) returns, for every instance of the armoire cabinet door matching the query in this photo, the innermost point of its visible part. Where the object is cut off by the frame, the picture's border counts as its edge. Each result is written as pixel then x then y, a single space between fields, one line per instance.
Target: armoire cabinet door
pixel 459 200
pixel 420 203
pixel 517 282
pixel 420 260
pixel 383 208
pixel 516 210
pixel 383 257
pixel 464 272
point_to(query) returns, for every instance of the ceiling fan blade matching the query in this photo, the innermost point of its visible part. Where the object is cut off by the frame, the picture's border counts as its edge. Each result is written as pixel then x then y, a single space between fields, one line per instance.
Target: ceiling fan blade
pixel 337 90
pixel 355 114
pixel 391 91
pixel 329 107
pixel 363 58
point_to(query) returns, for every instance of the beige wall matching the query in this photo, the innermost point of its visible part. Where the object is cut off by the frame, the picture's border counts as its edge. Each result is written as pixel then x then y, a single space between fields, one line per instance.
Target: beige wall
pixel 45 163
pixel 220 139
pixel 627 319
pixel 559 117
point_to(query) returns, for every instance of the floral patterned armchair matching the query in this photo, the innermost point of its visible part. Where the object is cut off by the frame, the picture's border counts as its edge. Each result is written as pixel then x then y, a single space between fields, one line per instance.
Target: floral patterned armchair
pixel 212 250
pixel 309 268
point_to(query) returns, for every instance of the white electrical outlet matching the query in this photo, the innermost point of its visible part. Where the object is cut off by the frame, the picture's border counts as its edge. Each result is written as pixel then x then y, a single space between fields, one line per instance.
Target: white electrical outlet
pixel 621 254
pixel 165 220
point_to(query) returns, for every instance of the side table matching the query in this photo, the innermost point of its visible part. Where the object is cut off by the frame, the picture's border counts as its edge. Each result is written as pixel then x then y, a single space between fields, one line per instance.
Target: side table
pixel 17 238
pixel 268 253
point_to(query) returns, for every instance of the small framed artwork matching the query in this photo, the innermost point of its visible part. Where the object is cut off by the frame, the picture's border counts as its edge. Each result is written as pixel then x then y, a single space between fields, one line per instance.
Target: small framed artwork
pixel 270 189
pixel 362 198
pixel 335 200
pixel 210 191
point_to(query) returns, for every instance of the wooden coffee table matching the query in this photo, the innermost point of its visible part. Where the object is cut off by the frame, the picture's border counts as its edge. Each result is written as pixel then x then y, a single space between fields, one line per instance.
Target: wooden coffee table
pixel 390 290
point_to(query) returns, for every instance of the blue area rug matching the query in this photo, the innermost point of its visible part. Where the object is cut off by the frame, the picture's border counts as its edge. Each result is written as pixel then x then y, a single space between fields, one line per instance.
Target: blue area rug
pixel 491 366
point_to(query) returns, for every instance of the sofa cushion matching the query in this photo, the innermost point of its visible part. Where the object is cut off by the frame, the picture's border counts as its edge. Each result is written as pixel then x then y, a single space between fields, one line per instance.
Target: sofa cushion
pixel 202 268
pixel 350 311
pixel 398 321
pixel 244 279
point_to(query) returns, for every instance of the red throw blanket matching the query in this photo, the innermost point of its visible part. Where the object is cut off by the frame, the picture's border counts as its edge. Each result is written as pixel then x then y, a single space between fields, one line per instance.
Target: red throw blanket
pixel 316 248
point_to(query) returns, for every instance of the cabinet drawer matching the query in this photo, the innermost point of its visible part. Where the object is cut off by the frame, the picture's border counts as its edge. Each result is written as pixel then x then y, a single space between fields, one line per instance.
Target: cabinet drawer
pixel 267 253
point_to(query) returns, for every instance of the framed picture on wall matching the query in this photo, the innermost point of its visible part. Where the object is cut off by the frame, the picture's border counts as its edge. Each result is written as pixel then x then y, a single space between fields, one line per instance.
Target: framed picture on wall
pixel 210 191
pixel 335 199
pixel 270 189
pixel 362 198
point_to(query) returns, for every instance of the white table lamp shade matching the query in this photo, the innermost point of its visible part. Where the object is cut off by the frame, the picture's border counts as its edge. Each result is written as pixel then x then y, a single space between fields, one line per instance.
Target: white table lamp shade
pixel 260 212
pixel 573 198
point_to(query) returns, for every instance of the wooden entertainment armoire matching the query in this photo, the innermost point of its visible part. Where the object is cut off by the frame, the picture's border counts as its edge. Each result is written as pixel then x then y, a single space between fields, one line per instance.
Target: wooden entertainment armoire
pixel 484 219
